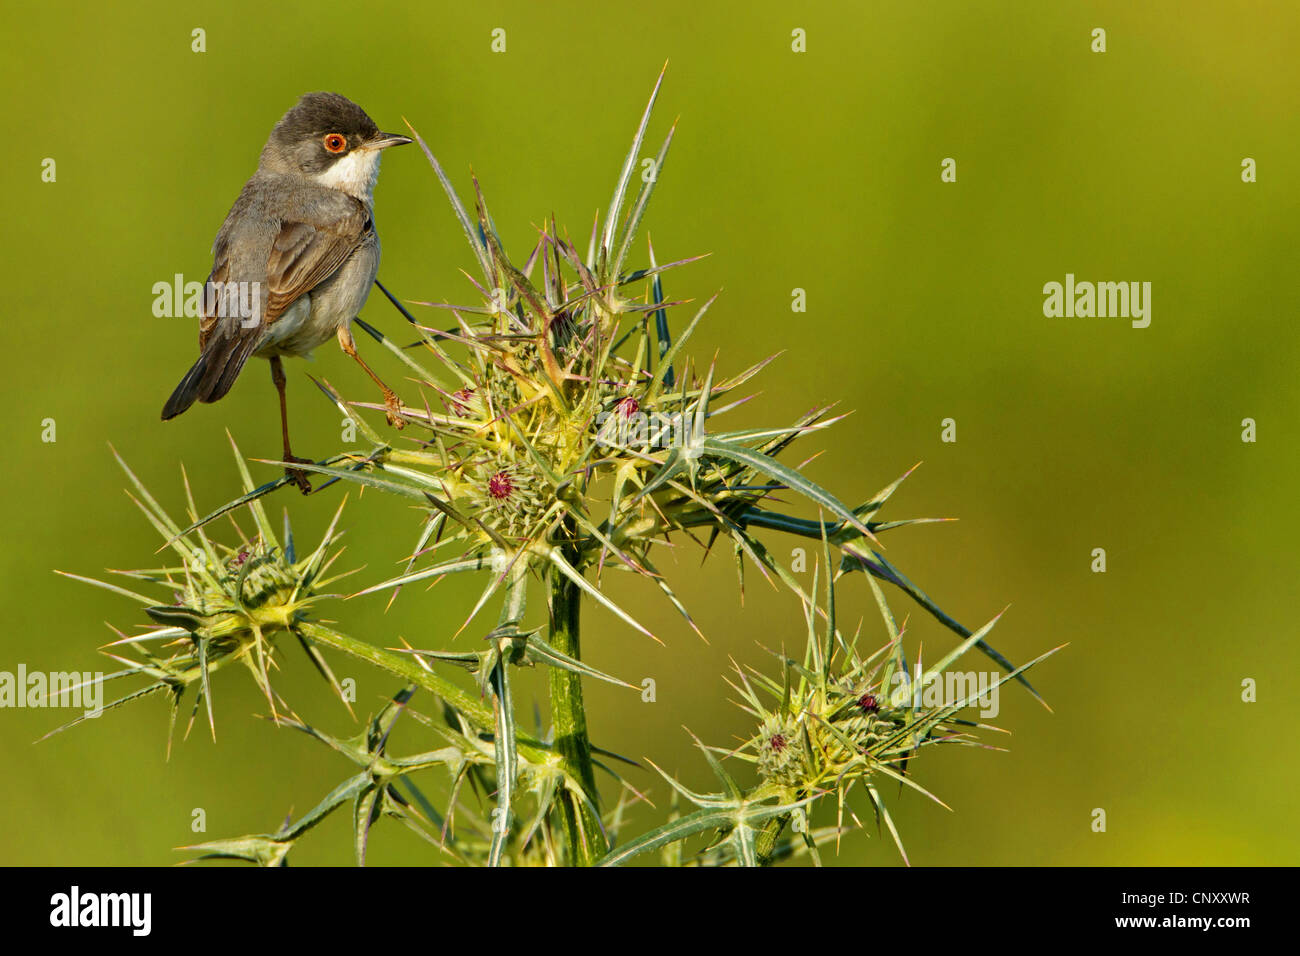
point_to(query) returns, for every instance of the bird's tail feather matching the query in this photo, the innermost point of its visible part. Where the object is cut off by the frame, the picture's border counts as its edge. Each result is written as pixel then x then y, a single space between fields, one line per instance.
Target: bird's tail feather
pixel 212 376
pixel 188 390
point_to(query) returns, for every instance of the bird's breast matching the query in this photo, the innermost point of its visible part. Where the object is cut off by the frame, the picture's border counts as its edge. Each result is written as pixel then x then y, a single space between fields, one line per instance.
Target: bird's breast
pixel 316 316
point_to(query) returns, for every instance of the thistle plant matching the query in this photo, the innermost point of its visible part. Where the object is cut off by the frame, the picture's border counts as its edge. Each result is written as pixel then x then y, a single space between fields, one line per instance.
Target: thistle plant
pixel 557 431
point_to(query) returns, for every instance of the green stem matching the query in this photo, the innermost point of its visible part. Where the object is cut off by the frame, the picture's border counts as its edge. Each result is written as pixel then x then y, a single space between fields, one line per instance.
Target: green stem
pixel 765 842
pixel 582 830
pixel 406 667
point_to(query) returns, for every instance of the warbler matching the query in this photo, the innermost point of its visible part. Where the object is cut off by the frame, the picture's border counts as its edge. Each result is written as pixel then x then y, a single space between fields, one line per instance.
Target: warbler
pixel 295 259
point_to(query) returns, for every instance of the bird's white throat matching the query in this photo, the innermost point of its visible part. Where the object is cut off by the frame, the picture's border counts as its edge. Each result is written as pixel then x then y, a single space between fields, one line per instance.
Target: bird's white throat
pixel 355 174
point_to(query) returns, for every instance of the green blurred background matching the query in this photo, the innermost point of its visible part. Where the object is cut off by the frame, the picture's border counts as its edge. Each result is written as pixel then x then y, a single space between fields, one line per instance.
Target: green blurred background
pixel 817 170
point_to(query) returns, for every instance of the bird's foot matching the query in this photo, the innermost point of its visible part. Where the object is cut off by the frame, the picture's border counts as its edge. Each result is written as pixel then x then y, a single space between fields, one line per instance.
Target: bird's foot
pixel 297 476
pixel 394 406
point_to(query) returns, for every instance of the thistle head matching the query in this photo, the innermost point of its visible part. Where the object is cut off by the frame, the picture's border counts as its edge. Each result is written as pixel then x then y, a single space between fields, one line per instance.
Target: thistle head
pixel 782 752
pixel 221 603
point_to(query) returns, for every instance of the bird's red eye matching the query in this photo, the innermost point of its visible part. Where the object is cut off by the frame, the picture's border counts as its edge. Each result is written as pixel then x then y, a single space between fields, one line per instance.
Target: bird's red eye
pixel 335 142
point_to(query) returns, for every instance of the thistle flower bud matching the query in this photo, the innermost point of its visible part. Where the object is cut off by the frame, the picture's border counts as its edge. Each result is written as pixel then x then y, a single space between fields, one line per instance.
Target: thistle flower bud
pixel 782 753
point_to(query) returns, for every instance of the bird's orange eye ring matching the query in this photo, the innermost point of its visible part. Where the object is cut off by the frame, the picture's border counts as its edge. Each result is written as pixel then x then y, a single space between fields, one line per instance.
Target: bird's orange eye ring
pixel 335 142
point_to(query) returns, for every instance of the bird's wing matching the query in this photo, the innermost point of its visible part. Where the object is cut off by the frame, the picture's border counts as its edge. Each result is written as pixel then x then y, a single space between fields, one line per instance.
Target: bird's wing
pixel 211 317
pixel 314 238
pixel 305 254
pixel 312 234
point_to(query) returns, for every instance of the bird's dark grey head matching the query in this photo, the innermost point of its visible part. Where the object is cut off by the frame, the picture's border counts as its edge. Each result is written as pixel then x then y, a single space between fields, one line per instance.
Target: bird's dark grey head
pixel 329 138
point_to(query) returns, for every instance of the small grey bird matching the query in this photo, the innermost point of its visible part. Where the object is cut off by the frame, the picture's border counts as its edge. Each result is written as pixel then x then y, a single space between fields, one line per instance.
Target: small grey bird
pixel 295 258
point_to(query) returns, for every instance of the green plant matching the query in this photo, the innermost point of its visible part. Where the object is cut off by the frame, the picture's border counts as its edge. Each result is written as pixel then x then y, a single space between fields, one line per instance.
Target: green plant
pixel 562 434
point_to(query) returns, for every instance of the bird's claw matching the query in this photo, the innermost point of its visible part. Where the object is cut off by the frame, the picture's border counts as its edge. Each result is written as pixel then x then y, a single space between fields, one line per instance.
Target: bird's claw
pixel 297 477
pixel 393 405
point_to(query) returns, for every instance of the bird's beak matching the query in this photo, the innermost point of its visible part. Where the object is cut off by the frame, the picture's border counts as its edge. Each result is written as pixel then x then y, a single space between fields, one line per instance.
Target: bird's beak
pixel 384 140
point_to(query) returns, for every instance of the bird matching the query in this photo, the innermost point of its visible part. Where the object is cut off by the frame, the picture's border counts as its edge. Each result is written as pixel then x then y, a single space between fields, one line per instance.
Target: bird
pixel 294 261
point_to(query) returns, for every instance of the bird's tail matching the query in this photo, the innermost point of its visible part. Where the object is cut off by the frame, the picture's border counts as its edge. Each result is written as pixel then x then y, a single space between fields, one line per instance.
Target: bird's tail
pixel 212 375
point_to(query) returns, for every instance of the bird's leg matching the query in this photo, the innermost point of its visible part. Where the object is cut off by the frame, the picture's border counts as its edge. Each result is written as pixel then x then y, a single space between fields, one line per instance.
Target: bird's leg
pixel 391 401
pixel 297 475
